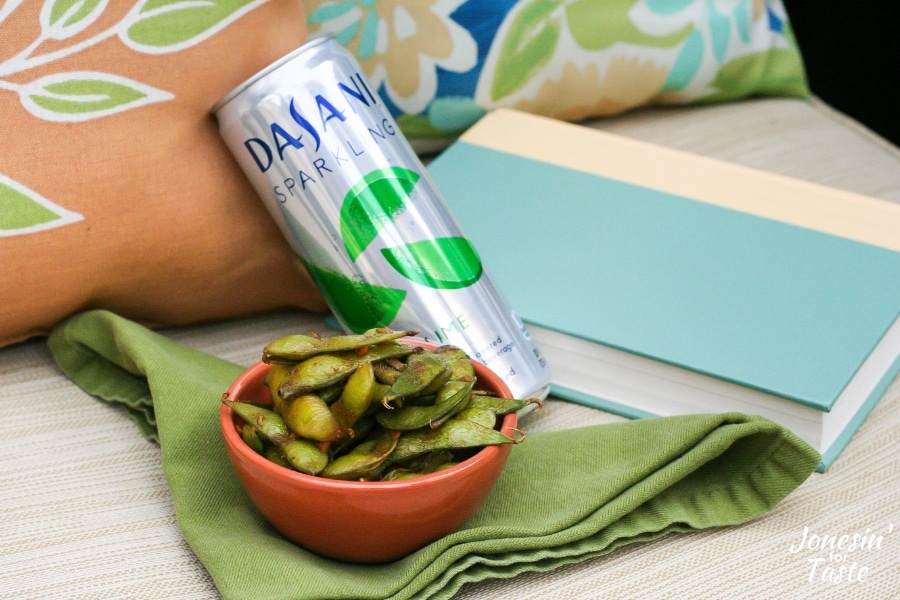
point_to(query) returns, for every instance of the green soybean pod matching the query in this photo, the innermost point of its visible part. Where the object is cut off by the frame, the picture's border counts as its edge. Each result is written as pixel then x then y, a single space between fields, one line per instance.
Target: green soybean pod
pixel 277 374
pixel 309 417
pixel 251 438
pixel 502 406
pixel 455 434
pixel 451 396
pixel 356 397
pixel 364 460
pixel 317 372
pixel 294 348
pixel 276 455
pixel 483 416
pixel 324 370
pixel 269 424
pixel 304 456
pixel 421 369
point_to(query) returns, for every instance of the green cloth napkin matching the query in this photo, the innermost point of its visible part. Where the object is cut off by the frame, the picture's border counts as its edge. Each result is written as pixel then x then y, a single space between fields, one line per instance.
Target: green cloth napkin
pixel 563 497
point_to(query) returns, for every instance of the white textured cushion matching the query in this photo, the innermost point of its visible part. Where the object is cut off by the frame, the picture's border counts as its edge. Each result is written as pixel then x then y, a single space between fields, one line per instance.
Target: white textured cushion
pixel 87 512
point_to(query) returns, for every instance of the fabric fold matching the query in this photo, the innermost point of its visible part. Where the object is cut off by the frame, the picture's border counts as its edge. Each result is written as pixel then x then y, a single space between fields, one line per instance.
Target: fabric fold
pixel 563 497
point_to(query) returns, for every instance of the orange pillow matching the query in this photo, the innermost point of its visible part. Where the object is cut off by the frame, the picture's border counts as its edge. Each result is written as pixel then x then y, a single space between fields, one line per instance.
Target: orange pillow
pixel 116 190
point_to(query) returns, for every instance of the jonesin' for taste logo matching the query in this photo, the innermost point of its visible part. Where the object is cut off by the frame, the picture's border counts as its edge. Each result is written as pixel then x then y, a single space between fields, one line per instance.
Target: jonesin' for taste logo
pixel 840 558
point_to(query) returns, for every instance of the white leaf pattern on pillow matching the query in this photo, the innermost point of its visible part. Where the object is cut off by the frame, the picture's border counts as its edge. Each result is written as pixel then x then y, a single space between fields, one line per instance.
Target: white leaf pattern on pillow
pixel 78 96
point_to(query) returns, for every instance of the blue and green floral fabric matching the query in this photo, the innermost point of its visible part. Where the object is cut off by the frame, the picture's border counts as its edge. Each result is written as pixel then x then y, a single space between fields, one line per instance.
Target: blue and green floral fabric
pixel 441 64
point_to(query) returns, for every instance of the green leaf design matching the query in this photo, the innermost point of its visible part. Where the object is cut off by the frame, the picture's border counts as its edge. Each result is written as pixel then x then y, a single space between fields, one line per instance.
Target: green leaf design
pixel 358 305
pixel 82 95
pixel 527 47
pixel 418 126
pixel 598 29
pixel 167 25
pixel 23 210
pixel 445 263
pixel 376 200
pixel 63 19
pixel 769 72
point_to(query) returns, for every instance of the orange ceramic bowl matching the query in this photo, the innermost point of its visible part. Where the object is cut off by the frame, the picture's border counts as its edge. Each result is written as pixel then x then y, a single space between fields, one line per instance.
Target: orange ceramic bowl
pixel 365 522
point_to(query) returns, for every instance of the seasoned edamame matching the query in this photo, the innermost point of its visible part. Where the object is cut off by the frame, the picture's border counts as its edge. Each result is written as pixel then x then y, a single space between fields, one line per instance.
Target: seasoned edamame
pixel 370 407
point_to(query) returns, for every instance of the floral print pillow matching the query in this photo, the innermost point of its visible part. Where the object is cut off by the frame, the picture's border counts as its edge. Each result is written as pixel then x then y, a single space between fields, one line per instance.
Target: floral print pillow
pixel 441 64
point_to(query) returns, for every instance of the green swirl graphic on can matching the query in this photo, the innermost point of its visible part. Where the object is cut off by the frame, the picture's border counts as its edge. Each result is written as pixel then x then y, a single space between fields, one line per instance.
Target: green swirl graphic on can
pixel 445 263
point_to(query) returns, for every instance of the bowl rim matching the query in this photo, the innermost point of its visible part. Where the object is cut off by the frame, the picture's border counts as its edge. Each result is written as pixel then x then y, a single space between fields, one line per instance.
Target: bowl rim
pixel 237 444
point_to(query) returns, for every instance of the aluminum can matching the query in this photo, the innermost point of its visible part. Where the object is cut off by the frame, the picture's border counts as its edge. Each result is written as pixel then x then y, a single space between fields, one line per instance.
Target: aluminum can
pixel 358 207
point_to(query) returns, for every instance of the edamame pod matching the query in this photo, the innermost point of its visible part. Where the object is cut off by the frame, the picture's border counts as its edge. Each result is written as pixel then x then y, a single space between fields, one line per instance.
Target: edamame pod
pixel 386 371
pixel 275 454
pixel 363 460
pixel 437 383
pixel 304 456
pixel 502 406
pixel 398 474
pixel 294 348
pixel 280 350
pixel 317 372
pixel 323 370
pixel 267 423
pixel 450 353
pixel 361 429
pixel 420 371
pixel 432 461
pixel 252 439
pixel 428 463
pixel 483 416
pixel 450 398
pixel 331 393
pixel 457 361
pixel 356 397
pixel 457 407
pixel 276 375
pixel 455 434
pixel 309 417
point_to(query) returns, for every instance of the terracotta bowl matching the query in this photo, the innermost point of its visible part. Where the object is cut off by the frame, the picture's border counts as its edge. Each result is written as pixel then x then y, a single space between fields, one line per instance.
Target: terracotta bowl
pixel 365 522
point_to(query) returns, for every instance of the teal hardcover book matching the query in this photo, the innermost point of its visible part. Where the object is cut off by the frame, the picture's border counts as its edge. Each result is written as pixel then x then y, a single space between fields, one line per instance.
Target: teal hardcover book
pixel 656 282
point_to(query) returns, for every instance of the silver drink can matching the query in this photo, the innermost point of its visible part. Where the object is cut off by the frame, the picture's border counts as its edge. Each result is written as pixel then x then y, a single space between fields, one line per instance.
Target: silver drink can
pixel 364 217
